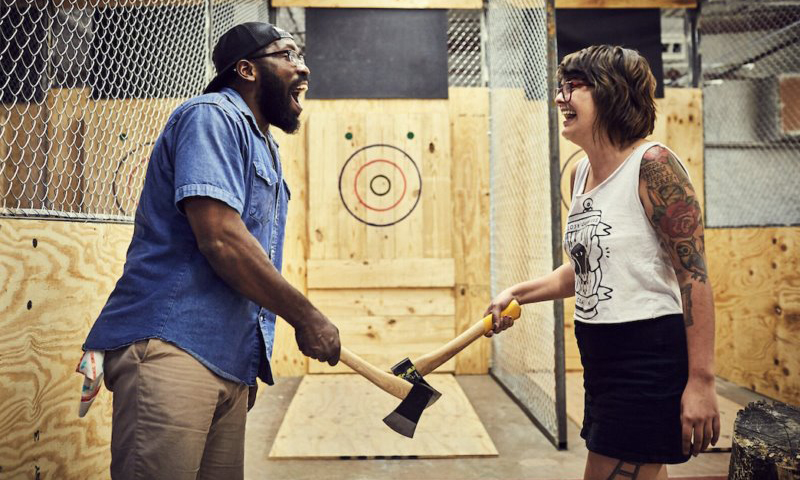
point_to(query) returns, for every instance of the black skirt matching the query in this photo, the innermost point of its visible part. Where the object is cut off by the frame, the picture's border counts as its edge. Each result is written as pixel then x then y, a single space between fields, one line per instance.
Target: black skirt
pixel 634 374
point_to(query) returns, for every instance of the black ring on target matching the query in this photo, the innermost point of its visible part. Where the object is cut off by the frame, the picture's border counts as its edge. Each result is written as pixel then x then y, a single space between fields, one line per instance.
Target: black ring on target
pixel 341 195
pixel 385 179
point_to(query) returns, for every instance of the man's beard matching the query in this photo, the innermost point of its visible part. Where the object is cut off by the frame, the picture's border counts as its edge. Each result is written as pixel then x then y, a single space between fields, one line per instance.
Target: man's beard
pixel 275 102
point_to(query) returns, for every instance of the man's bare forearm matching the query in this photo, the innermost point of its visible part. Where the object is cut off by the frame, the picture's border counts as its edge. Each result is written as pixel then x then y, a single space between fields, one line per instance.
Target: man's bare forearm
pixel 238 258
pixel 242 263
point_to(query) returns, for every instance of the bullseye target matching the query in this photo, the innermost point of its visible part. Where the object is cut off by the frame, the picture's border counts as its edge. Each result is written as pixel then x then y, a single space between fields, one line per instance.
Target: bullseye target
pixel 380 185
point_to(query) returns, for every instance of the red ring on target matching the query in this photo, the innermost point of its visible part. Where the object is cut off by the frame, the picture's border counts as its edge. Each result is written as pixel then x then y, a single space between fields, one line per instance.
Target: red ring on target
pixel 361 200
pixel 408 177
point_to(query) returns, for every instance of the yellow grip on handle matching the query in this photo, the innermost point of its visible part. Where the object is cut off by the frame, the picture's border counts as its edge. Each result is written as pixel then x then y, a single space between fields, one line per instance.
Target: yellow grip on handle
pixel 513 310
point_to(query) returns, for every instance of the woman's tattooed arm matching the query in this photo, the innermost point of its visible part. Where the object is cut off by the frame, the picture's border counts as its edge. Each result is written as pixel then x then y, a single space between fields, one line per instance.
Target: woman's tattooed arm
pixel 672 206
pixel 675 211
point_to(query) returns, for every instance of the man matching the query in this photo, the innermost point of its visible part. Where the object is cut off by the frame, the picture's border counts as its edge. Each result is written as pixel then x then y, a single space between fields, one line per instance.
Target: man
pixel 190 324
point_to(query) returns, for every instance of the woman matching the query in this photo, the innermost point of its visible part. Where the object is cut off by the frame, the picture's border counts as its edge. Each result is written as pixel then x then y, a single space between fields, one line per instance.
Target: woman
pixel 644 315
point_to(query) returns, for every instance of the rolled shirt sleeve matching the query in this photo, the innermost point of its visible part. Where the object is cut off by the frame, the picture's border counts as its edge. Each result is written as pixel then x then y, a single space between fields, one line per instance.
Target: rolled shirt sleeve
pixel 208 158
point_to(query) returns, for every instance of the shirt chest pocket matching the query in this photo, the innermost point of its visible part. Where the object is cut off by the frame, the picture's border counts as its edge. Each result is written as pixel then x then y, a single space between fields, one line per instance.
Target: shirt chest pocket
pixel 263 192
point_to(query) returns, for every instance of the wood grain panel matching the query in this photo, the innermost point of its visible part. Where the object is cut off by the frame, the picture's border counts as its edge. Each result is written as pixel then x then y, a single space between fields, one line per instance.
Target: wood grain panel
pixel 65 161
pixel 679 125
pixel 373 301
pixel 385 340
pixel 754 272
pixel 322 175
pixel 470 146
pixel 410 272
pixel 351 236
pixel 471 302
pixel 287 360
pixel 437 225
pixel 469 131
pixel 465 4
pixel 24 147
pixel 53 293
pixel 334 416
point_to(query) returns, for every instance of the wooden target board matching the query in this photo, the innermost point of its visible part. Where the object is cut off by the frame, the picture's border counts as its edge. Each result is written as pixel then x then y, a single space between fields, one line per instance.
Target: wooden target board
pixel 380 185
pixel 380 224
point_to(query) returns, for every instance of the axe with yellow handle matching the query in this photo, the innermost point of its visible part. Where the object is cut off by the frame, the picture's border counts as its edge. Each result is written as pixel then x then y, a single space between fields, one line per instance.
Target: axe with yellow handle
pixel 407 383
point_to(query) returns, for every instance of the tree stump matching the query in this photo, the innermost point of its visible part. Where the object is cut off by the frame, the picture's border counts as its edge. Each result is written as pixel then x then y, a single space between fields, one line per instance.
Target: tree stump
pixel 766 443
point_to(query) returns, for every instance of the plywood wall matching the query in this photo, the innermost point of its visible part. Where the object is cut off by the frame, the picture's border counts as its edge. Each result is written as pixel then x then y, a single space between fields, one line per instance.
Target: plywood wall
pixel 56 277
pixel 755 273
pixel 469 125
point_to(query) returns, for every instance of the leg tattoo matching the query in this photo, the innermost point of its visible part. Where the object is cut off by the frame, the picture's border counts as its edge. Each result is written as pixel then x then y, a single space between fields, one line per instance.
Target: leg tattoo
pixel 618 472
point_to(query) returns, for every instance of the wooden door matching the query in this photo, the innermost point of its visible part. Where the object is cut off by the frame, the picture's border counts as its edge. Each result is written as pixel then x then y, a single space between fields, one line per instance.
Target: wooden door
pixel 380 234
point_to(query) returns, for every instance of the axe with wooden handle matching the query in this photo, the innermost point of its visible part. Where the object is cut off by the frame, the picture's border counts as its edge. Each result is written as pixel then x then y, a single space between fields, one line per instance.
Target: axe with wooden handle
pixel 405 417
pixel 384 380
pixel 416 395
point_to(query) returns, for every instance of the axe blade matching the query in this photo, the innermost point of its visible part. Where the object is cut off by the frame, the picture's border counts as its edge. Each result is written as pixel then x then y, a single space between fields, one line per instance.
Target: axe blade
pixel 405 417
pixel 406 370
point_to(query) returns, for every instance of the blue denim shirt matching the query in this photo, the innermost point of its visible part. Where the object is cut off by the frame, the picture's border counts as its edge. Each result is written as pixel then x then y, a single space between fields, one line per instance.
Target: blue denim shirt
pixel 210 147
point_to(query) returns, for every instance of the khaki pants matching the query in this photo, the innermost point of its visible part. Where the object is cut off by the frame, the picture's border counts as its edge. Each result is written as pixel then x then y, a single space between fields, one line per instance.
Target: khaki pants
pixel 173 418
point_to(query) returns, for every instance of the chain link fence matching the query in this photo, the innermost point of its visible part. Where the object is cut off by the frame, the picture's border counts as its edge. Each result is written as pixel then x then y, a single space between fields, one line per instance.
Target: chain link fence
pixel 465 56
pixel 528 360
pixel 751 91
pixel 86 87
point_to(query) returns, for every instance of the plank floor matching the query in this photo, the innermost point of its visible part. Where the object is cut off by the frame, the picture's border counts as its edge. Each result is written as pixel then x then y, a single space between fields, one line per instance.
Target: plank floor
pixel 524 453
pixel 340 416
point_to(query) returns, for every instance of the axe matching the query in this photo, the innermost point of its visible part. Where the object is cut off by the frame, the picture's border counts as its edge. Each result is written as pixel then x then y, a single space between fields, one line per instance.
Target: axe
pixel 407 383
pixel 405 417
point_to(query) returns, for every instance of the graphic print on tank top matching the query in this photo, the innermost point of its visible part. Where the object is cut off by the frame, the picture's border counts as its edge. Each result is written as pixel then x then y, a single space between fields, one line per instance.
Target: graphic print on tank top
pixel 582 242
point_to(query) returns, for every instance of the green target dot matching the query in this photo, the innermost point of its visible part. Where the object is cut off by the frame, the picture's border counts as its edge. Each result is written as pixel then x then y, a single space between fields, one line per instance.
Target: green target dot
pixel 123 136
pixel 410 135
pixel 348 136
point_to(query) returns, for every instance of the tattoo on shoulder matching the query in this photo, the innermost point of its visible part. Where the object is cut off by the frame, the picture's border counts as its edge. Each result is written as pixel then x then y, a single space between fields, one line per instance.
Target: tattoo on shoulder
pixel 686 298
pixel 618 473
pixel 676 210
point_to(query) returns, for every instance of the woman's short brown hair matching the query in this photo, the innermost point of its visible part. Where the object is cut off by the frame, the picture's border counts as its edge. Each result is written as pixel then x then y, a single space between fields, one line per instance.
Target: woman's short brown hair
pixel 623 93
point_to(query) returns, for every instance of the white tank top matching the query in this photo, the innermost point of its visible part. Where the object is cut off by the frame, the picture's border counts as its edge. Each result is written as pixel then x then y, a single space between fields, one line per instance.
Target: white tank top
pixel 621 272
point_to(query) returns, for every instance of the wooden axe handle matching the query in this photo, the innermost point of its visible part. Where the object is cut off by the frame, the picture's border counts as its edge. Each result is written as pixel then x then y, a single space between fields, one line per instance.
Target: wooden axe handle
pixel 431 361
pixel 385 380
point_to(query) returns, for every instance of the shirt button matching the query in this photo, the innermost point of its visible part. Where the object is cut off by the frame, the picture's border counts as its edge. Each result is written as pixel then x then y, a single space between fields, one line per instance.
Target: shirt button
pixel 261 317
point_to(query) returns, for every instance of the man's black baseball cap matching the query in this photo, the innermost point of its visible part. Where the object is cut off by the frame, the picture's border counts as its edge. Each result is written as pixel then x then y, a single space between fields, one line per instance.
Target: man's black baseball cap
pixel 239 42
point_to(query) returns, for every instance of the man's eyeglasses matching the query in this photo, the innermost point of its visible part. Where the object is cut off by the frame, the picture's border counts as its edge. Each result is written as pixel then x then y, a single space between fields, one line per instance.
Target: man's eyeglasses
pixel 291 56
pixel 566 88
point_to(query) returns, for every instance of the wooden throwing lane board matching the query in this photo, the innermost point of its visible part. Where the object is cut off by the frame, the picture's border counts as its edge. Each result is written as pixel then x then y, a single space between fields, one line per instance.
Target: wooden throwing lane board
pixel 339 416
pixel 380 233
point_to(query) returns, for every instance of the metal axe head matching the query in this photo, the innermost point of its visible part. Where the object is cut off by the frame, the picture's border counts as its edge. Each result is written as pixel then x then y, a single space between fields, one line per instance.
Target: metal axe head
pixel 405 417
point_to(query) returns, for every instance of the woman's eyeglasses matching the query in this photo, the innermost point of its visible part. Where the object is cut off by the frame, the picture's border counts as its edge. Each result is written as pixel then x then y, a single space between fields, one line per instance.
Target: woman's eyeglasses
pixel 566 88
